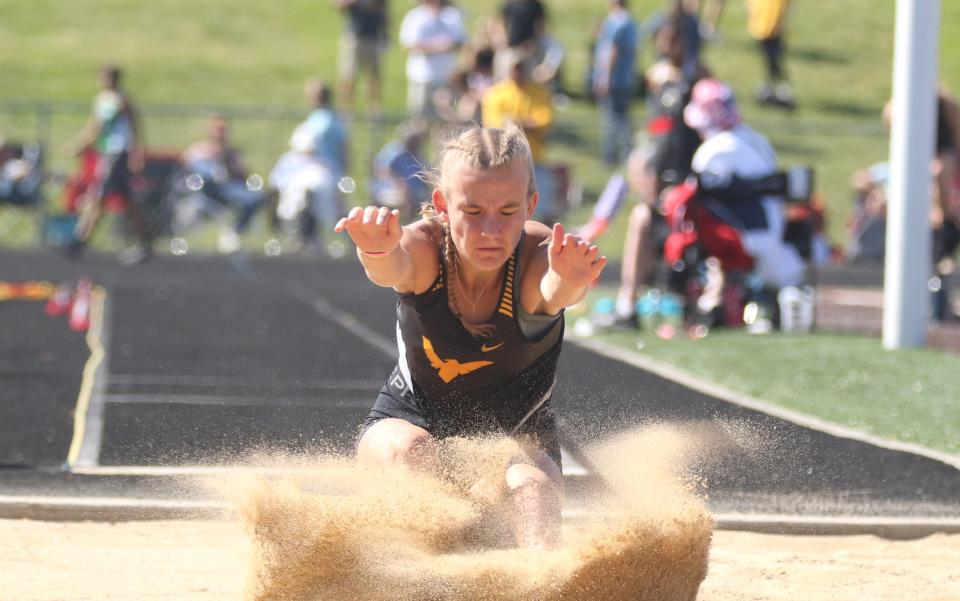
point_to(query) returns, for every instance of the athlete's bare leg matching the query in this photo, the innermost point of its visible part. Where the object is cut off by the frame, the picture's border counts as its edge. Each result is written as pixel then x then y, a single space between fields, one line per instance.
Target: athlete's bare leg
pixel 638 257
pixel 395 442
pixel 536 490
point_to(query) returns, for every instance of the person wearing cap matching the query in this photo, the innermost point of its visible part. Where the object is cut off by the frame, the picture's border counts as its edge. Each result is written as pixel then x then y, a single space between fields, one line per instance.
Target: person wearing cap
pixel 731 149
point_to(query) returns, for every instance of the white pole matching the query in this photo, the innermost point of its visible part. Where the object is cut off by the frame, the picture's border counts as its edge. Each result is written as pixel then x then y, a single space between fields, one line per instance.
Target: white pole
pixel 906 299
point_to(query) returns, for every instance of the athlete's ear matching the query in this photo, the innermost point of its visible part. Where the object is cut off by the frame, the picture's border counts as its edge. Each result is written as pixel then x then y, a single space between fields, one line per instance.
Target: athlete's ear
pixel 532 204
pixel 440 203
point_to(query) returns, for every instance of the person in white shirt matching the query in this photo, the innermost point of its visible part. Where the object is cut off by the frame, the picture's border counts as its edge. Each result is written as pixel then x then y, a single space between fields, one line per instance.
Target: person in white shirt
pixel 433 32
pixel 731 148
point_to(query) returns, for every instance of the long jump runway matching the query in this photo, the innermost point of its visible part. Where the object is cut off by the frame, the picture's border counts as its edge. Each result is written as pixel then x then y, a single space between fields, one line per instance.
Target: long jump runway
pixel 207 360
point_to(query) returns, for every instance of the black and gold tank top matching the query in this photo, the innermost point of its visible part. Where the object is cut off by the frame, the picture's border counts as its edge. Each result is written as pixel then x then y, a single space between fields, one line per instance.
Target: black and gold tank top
pixel 470 384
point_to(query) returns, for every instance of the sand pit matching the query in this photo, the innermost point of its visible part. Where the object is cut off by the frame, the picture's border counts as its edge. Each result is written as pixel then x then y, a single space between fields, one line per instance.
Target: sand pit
pixel 336 532
pixel 326 529
pixel 208 560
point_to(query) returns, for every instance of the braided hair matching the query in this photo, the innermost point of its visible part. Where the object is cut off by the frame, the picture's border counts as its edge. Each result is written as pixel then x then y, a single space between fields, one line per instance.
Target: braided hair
pixel 475 147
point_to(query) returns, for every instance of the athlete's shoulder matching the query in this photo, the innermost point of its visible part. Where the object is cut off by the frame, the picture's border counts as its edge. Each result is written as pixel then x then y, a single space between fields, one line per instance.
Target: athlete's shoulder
pixel 422 240
pixel 536 234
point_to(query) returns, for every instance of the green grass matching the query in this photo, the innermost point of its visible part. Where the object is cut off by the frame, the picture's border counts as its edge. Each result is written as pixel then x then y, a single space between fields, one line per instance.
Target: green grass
pixel 251 54
pixel 905 395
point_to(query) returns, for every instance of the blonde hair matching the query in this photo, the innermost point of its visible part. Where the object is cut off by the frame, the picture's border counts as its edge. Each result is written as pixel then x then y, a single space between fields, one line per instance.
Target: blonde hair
pixel 477 148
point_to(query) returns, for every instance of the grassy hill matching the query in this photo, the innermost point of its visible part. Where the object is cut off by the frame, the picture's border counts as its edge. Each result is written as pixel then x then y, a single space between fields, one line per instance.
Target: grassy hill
pixel 257 54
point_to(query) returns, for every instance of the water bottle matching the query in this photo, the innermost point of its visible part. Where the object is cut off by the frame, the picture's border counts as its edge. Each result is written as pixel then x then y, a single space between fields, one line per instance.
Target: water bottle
pixel 648 309
pixel 796 309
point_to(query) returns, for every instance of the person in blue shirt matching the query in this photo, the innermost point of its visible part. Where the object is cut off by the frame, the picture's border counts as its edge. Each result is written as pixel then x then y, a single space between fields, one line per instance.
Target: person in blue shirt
pixel 307 177
pixel 613 79
pixel 398 170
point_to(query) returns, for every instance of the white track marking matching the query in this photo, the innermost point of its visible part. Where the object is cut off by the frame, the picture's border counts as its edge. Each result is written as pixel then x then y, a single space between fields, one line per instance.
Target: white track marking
pixel 231 401
pixel 572 467
pixel 348 321
pixel 801 419
pixel 88 415
pixel 113 508
pixel 186 381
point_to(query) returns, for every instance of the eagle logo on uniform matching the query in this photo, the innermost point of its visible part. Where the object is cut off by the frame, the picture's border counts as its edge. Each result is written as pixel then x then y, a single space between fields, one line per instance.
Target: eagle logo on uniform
pixel 448 369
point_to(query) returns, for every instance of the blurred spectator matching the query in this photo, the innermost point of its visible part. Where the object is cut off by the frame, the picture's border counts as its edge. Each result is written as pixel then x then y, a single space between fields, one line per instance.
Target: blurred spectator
pixel 644 227
pixel 21 172
pixel 113 133
pixel 669 87
pixel 613 79
pixel 220 166
pixel 767 21
pixel 397 170
pixel 712 11
pixel 457 102
pixel 680 17
pixel 433 32
pixel 867 230
pixel 523 101
pixel 480 78
pixel 362 44
pixel 519 27
pixel 945 215
pixel 732 150
pixel 546 62
pixel 307 177
pixel 663 161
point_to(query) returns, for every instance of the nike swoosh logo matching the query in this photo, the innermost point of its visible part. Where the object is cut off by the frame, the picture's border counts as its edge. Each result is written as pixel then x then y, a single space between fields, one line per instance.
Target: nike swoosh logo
pixel 486 349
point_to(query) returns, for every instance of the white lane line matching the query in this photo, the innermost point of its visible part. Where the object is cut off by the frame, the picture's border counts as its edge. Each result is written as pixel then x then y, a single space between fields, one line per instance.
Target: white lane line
pixel 88 415
pixel 801 419
pixel 192 381
pixel 572 467
pixel 348 321
pixel 234 401
pixel 186 470
pixel 110 502
pixel 109 508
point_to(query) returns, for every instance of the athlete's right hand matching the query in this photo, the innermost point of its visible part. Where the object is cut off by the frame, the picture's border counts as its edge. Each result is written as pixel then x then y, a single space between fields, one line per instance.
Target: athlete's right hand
pixel 373 229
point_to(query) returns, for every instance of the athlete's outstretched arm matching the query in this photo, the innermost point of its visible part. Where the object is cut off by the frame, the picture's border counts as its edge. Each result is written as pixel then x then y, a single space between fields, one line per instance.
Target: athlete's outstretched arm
pixel 379 238
pixel 572 265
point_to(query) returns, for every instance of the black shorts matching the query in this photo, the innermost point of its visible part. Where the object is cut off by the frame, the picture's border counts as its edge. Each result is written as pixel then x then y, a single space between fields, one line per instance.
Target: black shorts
pixel 395 401
pixel 113 176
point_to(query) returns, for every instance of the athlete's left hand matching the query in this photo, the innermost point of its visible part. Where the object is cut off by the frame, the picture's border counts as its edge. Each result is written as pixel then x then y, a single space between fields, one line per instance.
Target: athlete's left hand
pixel 574 261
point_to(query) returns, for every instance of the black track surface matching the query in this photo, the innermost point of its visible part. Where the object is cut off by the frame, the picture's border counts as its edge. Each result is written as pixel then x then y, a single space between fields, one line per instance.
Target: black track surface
pixel 211 359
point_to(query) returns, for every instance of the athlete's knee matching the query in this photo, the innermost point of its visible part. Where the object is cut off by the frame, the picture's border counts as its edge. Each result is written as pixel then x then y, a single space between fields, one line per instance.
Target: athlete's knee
pixel 395 445
pixel 409 448
pixel 523 476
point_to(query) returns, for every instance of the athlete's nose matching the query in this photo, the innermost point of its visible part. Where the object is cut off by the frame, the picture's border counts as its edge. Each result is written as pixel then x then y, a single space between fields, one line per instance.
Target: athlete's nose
pixel 491 227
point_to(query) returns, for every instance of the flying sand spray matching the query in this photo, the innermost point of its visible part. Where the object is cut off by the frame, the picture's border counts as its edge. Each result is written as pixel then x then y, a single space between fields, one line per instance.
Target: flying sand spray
pixel 334 530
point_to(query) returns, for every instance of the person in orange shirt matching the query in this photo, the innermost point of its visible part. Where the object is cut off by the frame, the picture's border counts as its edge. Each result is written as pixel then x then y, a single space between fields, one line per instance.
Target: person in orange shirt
pixel 767 20
pixel 521 100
